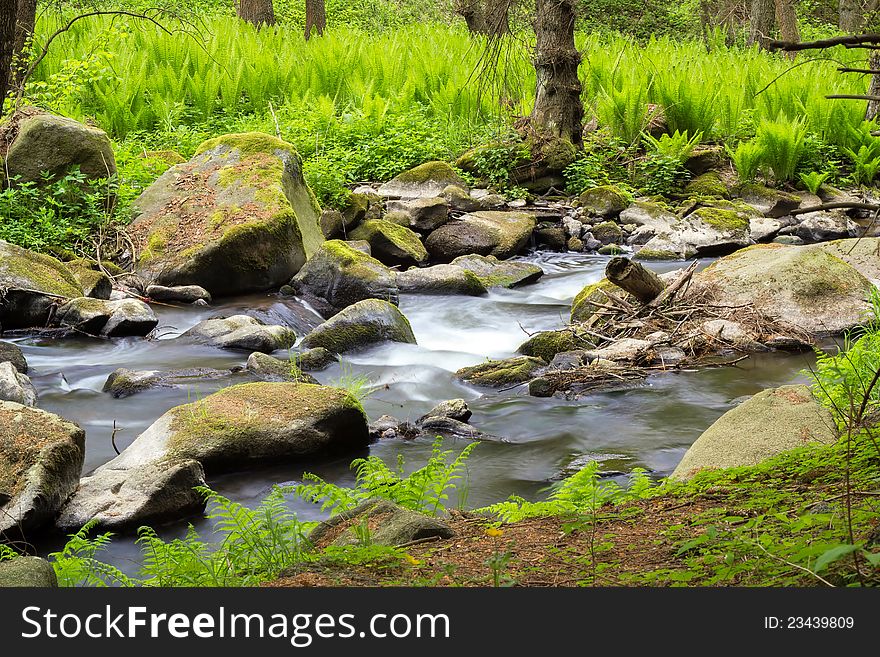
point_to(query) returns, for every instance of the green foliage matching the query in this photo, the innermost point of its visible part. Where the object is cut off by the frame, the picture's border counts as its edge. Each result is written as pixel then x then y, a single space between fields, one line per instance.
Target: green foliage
pixel 7 553
pixel 495 163
pixel 55 215
pixel 358 386
pixel 661 174
pixel 813 180
pixel 75 564
pixel 425 490
pixel 677 146
pixel 782 145
pixel 581 493
pixel 747 159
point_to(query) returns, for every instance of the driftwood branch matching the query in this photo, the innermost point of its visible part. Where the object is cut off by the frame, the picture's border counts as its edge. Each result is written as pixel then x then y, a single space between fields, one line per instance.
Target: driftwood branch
pixel 836 206
pixel 852 97
pixel 631 276
pixel 846 69
pixel 676 285
pixel 847 40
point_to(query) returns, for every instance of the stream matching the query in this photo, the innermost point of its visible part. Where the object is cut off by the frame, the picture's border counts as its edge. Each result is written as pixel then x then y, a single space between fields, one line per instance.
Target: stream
pixel 650 426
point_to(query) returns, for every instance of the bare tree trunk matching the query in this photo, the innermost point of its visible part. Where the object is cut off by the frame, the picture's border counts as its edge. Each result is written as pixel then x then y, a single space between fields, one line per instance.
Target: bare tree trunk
pixel 850 16
pixel 256 12
pixel 8 12
pixel 25 21
pixel 316 17
pixel 558 110
pixel 761 20
pixel 874 89
pixel 786 18
pixel 472 12
pixel 497 17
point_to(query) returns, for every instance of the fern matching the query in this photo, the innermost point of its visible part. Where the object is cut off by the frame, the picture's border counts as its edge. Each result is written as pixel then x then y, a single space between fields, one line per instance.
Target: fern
pixel 814 180
pixel 677 146
pixel 747 159
pixel 7 553
pixel 76 565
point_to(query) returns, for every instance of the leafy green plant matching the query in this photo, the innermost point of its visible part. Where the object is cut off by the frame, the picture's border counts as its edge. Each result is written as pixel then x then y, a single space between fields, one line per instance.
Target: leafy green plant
pixel 426 490
pixel 747 159
pixel 661 174
pixel 866 163
pixel 782 143
pixel 677 146
pixel 75 564
pixel 358 385
pixel 813 180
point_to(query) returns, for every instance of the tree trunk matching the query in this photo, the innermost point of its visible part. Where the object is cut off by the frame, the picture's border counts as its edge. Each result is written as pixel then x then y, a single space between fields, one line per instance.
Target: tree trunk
pixel 850 16
pixel 497 17
pixel 874 89
pixel 558 110
pixel 632 277
pixel 786 18
pixel 316 17
pixel 761 20
pixel 26 19
pixel 256 12
pixel 8 11
pixel 472 12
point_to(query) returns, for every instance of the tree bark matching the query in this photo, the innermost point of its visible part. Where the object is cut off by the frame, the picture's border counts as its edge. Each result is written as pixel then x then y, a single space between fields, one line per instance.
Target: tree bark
pixel 558 110
pixel 497 17
pixel 472 12
pixel 632 277
pixel 850 16
pixel 761 20
pixel 8 14
pixel 26 20
pixel 874 89
pixel 786 18
pixel 316 17
pixel 256 12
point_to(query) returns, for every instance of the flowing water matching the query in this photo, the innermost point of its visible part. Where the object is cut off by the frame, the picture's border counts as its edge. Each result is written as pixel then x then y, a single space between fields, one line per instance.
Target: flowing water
pixel 650 426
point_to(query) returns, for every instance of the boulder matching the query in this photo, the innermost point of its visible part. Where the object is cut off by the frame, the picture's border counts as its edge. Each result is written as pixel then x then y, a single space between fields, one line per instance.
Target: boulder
pixel 551 236
pixel 389 524
pixel 55 144
pixel 269 368
pixel 41 458
pixel 11 353
pixel 801 286
pixel 707 184
pixel 546 344
pixel 604 201
pixel 332 224
pixel 126 317
pixel 15 386
pixel 237 428
pixel 709 230
pixel 361 325
pixel 861 254
pixel 33 285
pixel 242 333
pixel 495 273
pixel 649 214
pixel 440 279
pixel 457 198
pixel 427 180
pixel 339 275
pixel 424 214
pixel 391 244
pixel 497 373
pixel 123 382
pixel 582 309
pixel 30 572
pixel 767 424
pixel 94 283
pixel 455 409
pixel 607 232
pixel 315 360
pixel 705 157
pixel 238 217
pixel 769 202
pixel 823 226
pixel 179 293
pixel 500 234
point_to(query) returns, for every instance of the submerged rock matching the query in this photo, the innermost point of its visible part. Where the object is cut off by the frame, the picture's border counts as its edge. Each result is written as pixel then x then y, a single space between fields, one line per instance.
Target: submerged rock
pixel 15 386
pixel 500 234
pixel 238 217
pixel 123 382
pixel 41 458
pixel 494 273
pixel 440 279
pixel 361 325
pixel 769 423
pixel 338 276
pixel 241 332
pixel 497 373
pixel 391 244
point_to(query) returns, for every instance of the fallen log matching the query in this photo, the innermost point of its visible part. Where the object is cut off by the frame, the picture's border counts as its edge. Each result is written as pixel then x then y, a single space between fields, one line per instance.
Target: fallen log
pixel 632 277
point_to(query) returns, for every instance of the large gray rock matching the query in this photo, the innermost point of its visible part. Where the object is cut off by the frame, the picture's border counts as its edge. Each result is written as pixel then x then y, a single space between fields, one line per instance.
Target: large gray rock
pixel 604 201
pixel 440 279
pixel 30 572
pixel 496 273
pixel 41 458
pixel 824 226
pixel 238 217
pixel 425 214
pixel 242 333
pixel 391 244
pixel 769 202
pixel 237 428
pixel 860 253
pixel 427 180
pixel 802 286
pixel 268 368
pixel 709 230
pixel 55 144
pixel 179 293
pixel 125 317
pixel 124 382
pixel 500 234
pixel 769 423
pixel 11 353
pixel 338 276
pixel 390 524
pixel 361 325
pixel 94 283
pixel 33 283
pixel 455 409
pixel 16 387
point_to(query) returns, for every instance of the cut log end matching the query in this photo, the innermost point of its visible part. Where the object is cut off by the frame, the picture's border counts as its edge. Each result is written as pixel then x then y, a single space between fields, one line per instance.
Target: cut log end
pixel 635 279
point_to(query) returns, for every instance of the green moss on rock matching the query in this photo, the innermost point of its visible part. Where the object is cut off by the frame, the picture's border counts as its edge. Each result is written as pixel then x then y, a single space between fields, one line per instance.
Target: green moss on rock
pixel 581 309
pixel 546 344
pixel 656 254
pixel 391 243
pixel 605 200
pixel 707 184
pixel 506 372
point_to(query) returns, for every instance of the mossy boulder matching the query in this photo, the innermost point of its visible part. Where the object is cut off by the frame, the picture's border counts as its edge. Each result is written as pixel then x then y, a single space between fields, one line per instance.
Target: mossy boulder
pixel 824 226
pixel 861 254
pixel 607 232
pixel 237 428
pixel 427 180
pixel 389 523
pixel 497 373
pixel 604 201
pixel 33 283
pixel 440 279
pixel 652 255
pixel 802 286
pixel 269 368
pixel 29 572
pixel 424 214
pixel 767 424
pixel 546 344
pixel 125 317
pixel 241 333
pixel 41 458
pixel 582 309
pixel 493 272
pixel 123 382
pixel 362 325
pixel 713 228
pixel 707 184
pixel 339 275
pixel 94 282
pixel 500 234
pixel 315 360
pixel 55 145
pixel 769 202
pixel 11 353
pixel 391 244
pixel 705 157
pixel 238 217
pixel 650 214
